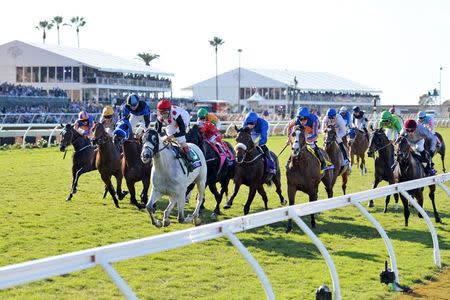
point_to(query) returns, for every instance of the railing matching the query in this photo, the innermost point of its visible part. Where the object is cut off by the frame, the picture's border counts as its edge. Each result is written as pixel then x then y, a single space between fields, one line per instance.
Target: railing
pixel 104 256
pixel 128 82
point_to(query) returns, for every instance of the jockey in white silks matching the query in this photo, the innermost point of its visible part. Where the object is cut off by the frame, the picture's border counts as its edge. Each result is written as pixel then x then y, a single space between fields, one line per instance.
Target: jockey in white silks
pixel 176 122
pixel 332 118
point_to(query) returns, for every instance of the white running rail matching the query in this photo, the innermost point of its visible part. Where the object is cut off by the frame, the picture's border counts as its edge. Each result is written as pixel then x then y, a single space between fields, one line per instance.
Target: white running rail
pixel 104 256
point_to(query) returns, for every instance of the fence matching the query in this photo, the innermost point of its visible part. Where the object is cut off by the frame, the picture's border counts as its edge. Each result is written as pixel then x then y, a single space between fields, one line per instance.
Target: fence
pixel 104 256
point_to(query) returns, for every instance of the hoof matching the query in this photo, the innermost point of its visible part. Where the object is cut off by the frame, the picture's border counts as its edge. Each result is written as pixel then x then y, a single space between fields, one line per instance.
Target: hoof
pixel 158 223
pixel 227 206
pixel 385 210
pixel 288 229
pixel 69 198
pixel 196 221
pixel 438 220
pixel 166 222
pixel 370 203
pixel 283 202
pixel 214 216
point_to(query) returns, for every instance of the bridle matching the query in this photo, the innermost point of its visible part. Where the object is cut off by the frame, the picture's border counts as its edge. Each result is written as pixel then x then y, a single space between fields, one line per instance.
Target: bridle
pixel 380 148
pixel 154 140
pixel 246 150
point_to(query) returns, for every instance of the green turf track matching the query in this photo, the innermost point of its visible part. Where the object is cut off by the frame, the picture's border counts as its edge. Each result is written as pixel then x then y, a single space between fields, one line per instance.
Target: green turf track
pixel 37 222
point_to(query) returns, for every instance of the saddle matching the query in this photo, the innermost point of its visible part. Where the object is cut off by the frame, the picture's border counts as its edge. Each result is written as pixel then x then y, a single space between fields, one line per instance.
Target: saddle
pixel 190 165
pixel 329 164
pixel 225 155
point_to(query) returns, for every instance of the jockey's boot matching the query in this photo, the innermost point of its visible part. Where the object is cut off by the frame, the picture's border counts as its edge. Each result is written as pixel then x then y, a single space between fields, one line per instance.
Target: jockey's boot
pixel 429 170
pixel 323 163
pixel 188 158
pixel 270 162
pixel 344 153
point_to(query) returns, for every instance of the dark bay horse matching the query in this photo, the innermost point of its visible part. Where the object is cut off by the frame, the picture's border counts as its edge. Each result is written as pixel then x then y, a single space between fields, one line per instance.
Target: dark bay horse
pixel 379 143
pixel 335 154
pixel 108 161
pixel 133 169
pixel 250 170
pixel 83 159
pixel 303 173
pixel 409 168
pixel 358 148
pixel 440 148
pixel 215 173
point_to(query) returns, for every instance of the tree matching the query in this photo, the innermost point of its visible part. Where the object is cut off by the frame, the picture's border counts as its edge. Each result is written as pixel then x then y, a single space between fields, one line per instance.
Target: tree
pixel 147 57
pixel 78 22
pixel 216 42
pixel 44 25
pixel 58 20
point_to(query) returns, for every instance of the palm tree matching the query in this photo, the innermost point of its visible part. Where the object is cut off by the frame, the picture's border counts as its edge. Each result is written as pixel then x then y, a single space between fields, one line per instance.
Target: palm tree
pixel 78 22
pixel 58 20
pixel 44 25
pixel 147 57
pixel 216 42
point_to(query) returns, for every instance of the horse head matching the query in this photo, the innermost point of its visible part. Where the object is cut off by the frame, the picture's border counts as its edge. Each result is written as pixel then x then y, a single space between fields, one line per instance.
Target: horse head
pixel 403 151
pixel 330 135
pixel 100 136
pixel 150 141
pixel 194 136
pixel 300 139
pixel 68 135
pixel 122 133
pixel 377 141
pixel 244 142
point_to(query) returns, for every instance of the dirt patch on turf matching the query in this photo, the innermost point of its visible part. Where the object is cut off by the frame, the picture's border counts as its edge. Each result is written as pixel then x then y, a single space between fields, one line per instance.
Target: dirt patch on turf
pixel 436 288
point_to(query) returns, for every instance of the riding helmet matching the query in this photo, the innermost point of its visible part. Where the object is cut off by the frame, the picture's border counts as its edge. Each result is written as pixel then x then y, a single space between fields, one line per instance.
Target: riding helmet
pixel 302 112
pixel 421 114
pixel 356 109
pixel 386 116
pixel 251 117
pixel 343 109
pixel 410 125
pixel 331 112
pixel 83 116
pixel 164 105
pixel 202 113
pixel 132 100
pixel 108 111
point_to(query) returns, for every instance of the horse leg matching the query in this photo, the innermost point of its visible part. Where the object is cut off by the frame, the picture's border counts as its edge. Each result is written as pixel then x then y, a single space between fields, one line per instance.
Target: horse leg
pixel 344 181
pixel 263 194
pixel 375 184
pixel 119 178
pixel 223 191
pixel 251 196
pixel 105 192
pixel 217 196
pixel 132 191
pixel 189 192
pixel 154 197
pixel 276 180
pixel 442 159
pixel 419 198
pixel 107 180
pixel 168 210
pixel 313 197
pixel 75 176
pixel 144 194
pixel 388 197
pixel 405 209
pixel 291 190
pixel 237 185
pixel 200 183
pixel 431 195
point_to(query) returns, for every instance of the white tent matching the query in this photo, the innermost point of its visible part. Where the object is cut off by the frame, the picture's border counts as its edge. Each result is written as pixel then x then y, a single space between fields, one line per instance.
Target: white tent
pixel 256 97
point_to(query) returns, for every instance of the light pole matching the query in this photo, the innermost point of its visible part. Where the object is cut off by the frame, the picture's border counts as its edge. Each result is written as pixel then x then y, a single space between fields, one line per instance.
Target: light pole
pixel 239 81
pixel 440 86
pixel 294 92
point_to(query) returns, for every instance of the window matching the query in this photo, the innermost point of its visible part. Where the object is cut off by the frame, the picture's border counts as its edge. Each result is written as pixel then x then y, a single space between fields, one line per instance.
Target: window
pixel 76 74
pixel 67 74
pixel 19 74
pixel 59 74
pixel 35 73
pixel 51 74
pixel 44 77
pixel 27 75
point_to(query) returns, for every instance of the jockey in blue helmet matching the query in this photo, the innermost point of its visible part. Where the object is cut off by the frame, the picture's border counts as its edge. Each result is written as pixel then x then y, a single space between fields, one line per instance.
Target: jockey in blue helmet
pixel 136 110
pixel 260 128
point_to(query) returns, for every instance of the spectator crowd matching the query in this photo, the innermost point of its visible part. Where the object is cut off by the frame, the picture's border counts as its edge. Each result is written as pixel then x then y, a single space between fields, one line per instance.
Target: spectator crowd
pixel 18 90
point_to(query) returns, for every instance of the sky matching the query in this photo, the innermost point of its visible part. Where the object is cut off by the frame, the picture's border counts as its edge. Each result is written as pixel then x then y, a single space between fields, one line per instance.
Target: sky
pixel 396 46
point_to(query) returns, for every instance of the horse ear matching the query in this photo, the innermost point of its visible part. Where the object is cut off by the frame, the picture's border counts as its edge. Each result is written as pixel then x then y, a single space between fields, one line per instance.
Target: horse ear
pixel 371 127
pixel 236 128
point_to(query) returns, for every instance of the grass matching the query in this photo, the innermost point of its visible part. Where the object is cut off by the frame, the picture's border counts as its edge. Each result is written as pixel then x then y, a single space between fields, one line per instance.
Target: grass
pixel 37 222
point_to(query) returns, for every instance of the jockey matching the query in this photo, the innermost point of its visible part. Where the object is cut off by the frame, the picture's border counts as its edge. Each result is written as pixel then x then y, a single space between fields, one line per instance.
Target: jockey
pixel 176 122
pixel 84 124
pixel 392 109
pixel 311 124
pixel 336 120
pixel 107 119
pixel 136 111
pixel 204 116
pixel 427 121
pixel 416 134
pixel 260 128
pixel 392 124
pixel 346 115
pixel 359 121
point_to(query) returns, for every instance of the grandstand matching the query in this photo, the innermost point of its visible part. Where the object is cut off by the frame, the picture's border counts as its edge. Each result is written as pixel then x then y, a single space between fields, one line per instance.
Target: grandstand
pixel 280 89
pixel 84 74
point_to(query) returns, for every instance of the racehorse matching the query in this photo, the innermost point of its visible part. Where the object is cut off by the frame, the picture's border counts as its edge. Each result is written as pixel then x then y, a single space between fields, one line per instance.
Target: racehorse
pixel 251 171
pixel 440 148
pixel 358 148
pixel 303 173
pixel 133 169
pixel 380 143
pixel 336 157
pixel 108 161
pixel 83 159
pixel 409 168
pixel 216 173
pixel 171 178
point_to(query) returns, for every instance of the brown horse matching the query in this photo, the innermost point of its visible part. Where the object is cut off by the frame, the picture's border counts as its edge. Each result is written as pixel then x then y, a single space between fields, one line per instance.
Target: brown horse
pixel 358 148
pixel 440 148
pixel 250 170
pixel 83 159
pixel 409 168
pixel 133 169
pixel 108 161
pixel 303 173
pixel 335 154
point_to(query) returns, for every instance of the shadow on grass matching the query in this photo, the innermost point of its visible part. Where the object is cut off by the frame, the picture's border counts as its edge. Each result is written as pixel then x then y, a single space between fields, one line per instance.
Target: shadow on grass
pixel 359 255
pixel 416 236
